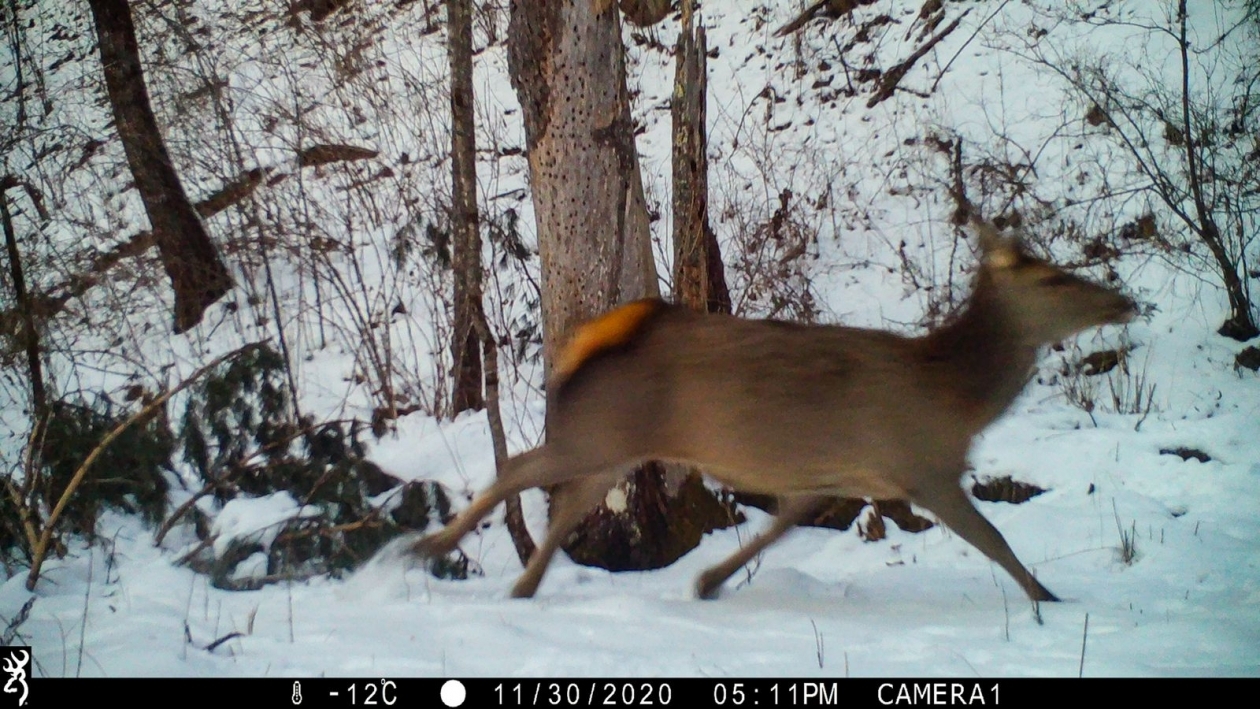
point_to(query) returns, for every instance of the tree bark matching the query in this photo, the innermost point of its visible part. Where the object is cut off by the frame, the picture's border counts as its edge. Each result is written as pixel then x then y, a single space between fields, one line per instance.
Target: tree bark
pixel 465 237
pixel 699 276
pixel 29 334
pixel 198 275
pixel 567 63
pixel 471 339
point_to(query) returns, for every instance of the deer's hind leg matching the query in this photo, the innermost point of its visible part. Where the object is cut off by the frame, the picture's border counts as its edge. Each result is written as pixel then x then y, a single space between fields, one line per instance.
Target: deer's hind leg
pixel 539 467
pixel 792 511
pixel 569 509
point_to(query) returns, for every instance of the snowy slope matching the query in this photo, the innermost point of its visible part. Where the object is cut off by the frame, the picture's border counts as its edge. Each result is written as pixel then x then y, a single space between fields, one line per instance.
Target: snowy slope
pixel 820 603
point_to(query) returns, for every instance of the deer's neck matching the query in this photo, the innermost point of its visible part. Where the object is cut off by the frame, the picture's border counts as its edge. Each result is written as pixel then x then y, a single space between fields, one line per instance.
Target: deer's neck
pixel 981 357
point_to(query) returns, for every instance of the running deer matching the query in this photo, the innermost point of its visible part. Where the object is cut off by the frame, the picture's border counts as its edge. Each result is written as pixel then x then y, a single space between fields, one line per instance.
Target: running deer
pixel 802 412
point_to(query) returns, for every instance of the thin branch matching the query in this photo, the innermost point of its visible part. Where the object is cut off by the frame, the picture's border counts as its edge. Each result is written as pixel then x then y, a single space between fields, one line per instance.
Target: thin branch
pixel 940 75
pixel 796 23
pixel 514 517
pixel 891 78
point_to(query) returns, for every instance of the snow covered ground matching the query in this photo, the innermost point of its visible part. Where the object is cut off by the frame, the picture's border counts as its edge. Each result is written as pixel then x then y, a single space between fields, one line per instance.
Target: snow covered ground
pixel 820 603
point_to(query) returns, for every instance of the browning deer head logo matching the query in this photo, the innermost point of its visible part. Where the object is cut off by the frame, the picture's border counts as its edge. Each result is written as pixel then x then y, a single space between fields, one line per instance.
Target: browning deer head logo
pixel 17 673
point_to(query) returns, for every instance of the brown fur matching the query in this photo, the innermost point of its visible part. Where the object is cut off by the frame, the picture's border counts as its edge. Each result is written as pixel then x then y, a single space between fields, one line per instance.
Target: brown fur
pixel 804 412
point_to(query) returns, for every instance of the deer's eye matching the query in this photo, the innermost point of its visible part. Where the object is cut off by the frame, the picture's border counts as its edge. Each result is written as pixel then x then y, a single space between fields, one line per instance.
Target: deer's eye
pixel 1057 279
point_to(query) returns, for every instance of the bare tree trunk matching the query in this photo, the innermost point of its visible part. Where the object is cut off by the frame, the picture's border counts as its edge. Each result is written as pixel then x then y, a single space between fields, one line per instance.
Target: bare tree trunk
pixel 699 276
pixel 471 339
pixel 29 338
pixel 1241 325
pixel 466 239
pixel 567 63
pixel 198 275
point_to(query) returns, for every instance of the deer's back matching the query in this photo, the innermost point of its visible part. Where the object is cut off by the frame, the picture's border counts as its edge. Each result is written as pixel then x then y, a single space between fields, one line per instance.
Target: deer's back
pixel 765 406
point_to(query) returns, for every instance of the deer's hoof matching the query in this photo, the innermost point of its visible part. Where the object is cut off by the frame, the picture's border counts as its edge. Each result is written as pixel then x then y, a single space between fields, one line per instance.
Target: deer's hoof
pixel 708 589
